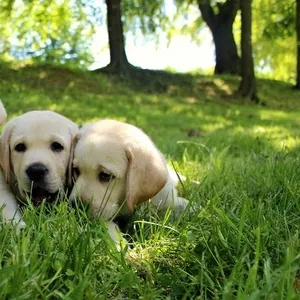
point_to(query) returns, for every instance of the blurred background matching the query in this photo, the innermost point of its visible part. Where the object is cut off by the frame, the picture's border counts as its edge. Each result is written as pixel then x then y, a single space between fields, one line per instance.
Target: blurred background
pixel 200 36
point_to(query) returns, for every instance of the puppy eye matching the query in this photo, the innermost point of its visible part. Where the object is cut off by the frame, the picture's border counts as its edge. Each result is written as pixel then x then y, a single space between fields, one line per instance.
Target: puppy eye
pixel 105 177
pixel 57 147
pixel 20 147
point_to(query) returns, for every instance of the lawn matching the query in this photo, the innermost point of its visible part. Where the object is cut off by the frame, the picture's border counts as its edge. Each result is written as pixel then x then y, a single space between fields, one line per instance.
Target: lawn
pixel 240 238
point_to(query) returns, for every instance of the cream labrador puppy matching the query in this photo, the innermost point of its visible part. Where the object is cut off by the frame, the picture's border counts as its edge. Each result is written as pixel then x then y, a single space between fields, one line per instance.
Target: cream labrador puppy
pixel 118 167
pixel 36 155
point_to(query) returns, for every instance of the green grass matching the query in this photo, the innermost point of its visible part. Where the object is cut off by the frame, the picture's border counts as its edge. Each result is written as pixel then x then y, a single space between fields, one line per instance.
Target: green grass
pixel 241 241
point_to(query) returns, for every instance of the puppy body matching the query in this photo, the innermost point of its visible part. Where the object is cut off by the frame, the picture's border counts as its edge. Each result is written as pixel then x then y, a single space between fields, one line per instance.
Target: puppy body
pixel 119 167
pixel 35 157
pixel 9 205
pixel 3 114
pixel 168 198
pixel 8 202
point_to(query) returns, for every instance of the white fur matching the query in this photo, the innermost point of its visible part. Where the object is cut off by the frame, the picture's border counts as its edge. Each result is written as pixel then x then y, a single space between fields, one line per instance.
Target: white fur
pixel 3 114
pixel 168 197
pixel 37 130
pixel 139 169
pixel 9 205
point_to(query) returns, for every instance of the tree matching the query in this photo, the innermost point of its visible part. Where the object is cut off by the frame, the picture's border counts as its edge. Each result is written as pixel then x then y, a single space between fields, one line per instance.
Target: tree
pixel 298 43
pixel 118 60
pixel 141 16
pixel 247 86
pixel 221 25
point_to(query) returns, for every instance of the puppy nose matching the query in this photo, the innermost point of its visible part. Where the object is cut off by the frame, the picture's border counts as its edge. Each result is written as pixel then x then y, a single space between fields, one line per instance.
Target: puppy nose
pixel 36 172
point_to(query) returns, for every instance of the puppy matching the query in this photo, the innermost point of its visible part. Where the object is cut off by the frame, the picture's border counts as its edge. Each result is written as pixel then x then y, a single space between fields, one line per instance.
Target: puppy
pixel 36 155
pixel 118 167
pixel 8 202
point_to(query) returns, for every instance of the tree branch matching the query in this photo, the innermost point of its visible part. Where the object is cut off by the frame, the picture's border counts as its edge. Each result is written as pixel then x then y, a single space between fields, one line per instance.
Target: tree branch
pixel 207 12
pixel 230 9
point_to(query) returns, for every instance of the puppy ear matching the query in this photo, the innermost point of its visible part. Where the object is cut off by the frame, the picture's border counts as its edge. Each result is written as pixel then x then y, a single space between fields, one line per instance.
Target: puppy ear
pixel 146 175
pixel 74 138
pixel 5 153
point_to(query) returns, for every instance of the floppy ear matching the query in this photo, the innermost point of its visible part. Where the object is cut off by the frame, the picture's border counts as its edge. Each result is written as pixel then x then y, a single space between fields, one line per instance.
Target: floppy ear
pixel 5 153
pixel 146 175
pixel 74 138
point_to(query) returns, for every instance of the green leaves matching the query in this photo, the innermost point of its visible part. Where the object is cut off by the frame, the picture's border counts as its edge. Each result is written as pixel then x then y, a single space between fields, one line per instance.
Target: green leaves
pixel 274 38
pixel 56 32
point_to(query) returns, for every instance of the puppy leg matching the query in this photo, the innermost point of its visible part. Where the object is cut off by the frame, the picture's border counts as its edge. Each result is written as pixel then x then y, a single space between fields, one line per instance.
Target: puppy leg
pixel 116 235
pixel 10 209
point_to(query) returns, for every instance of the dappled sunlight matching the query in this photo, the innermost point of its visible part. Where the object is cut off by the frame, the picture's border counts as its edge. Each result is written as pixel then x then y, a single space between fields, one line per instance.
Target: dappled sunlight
pixel 53 107
pixel 211 127
pixel 280 137
pixel 43 74
pixel 232 112
pixel 210 91
pixel 280 115
pixel 160 249
pixel 223 86
pixel 71 84
pixel 194 111
pixel 190 100
pixel 231 229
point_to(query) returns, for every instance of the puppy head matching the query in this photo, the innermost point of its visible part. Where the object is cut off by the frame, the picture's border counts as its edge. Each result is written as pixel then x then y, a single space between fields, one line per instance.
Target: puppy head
pixel 115 162
pixel 35 154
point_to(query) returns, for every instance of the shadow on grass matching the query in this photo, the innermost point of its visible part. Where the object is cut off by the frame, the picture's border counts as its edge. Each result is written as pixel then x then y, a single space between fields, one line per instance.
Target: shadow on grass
pixel 248 159
pixel 190 108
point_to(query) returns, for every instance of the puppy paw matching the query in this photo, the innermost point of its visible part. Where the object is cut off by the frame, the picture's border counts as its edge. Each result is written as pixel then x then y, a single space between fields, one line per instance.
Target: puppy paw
pixel 116 235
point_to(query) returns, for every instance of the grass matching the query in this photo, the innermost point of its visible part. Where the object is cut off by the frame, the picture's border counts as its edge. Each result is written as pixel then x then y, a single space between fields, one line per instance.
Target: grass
pixel 241 241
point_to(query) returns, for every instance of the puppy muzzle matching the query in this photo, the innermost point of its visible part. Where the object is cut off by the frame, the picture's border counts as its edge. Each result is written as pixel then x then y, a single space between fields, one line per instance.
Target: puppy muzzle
pixel 38 188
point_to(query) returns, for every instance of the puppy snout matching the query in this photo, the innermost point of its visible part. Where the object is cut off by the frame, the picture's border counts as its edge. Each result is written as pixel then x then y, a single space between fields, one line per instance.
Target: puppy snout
pixel 37 172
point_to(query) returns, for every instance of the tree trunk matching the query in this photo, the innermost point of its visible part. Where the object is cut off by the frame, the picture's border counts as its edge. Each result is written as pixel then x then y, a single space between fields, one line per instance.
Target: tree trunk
pixel 221 25
pixel 247 87
pixel 118 60
pixel 298 43
pixel 227 59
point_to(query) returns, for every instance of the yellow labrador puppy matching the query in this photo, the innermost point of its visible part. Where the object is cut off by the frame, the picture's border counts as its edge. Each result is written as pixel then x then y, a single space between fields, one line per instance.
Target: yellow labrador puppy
pixel 36 155
pixel 118 167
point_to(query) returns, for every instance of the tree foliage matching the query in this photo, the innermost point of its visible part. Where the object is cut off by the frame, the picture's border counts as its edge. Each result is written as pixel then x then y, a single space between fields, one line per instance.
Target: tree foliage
pixel 146 17
pixel 274 38
pixel 50 31
pixel 56 31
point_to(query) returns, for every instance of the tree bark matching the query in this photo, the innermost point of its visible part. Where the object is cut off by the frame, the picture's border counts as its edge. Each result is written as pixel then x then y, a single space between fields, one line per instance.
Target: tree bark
pixel 221 26
pixel 247 86
pixel 298 44
pixel 118 59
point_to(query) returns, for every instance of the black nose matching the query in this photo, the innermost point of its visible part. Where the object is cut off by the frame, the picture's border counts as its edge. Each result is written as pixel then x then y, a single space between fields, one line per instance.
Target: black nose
pixel 36 172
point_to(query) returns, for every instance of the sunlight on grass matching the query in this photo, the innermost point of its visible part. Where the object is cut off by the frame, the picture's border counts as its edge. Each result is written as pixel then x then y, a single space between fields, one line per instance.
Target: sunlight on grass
pixel 273 115
pixel 240 238
pixel 222 85
pixel 215 126
pixel 280 137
